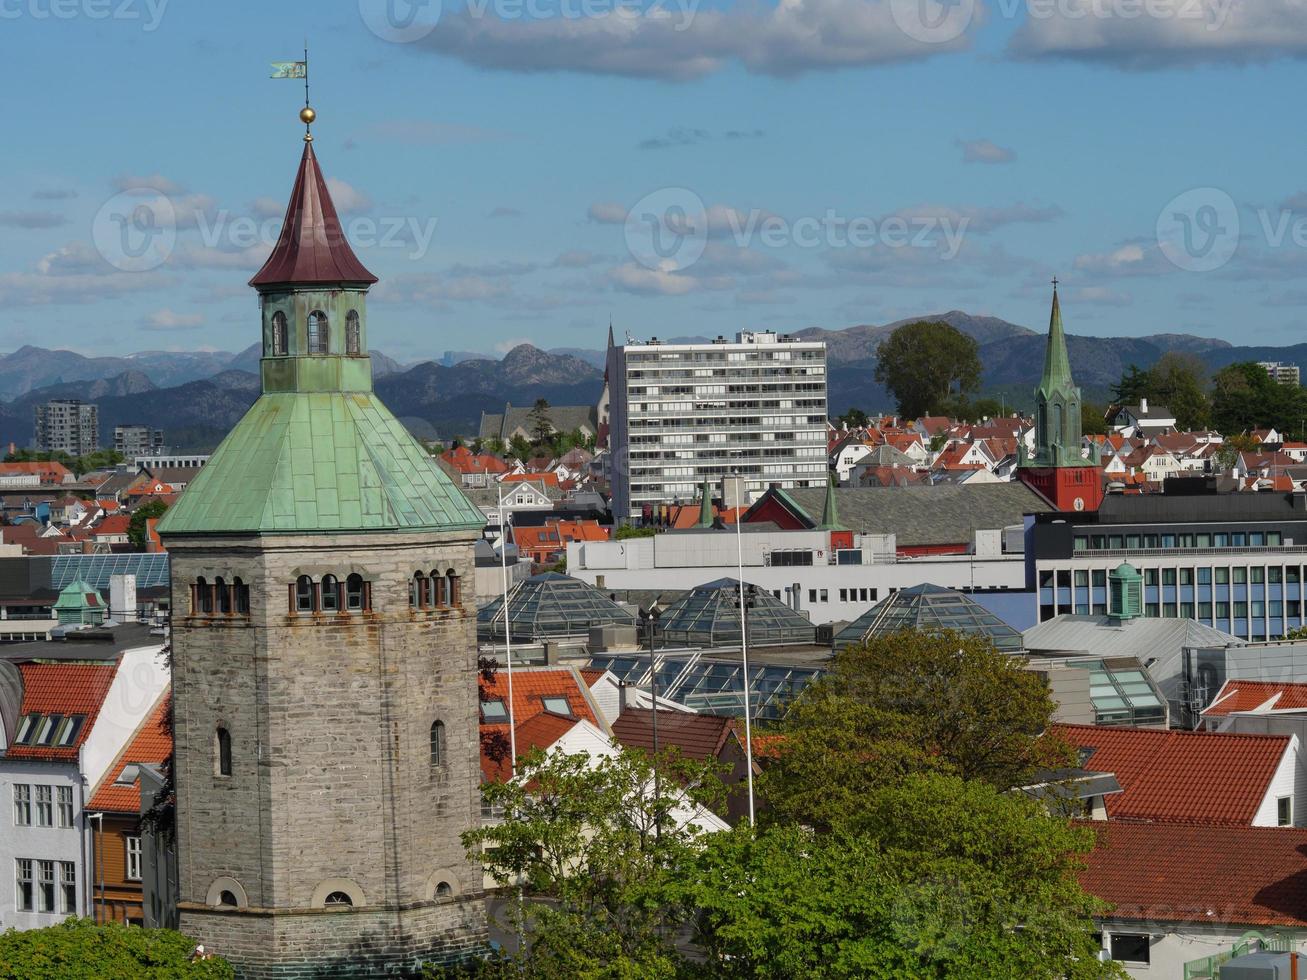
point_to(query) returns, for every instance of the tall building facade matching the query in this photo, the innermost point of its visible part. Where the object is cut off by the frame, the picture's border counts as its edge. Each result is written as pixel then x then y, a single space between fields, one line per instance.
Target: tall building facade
pixel 1285 374
pixel 680 414
pixel 1058 471
pixel 324 655
pixel 68 426
pixel 134 440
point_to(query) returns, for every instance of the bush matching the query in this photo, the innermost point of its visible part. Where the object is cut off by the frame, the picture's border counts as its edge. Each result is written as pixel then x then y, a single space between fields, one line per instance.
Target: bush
pixel 78 949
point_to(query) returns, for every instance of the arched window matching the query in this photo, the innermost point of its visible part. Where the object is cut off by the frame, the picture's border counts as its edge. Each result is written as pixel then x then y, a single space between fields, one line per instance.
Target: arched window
pixel 452 590
pixel 242 597
pixel 227 900
pixel 353 342
pixel 318 333
pixel 444 889
pixel 330 593
pixel 222 752
pixel 203 597
pixel 279 332
pixel 304 594
pixel 417 592
pixel 437 588
pixel 356 593
pixel 223 596
pixel 437 743
pixel 338 900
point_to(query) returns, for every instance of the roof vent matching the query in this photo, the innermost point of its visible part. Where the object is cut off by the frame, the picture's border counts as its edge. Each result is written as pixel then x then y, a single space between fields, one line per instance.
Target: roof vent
pixel 1125 593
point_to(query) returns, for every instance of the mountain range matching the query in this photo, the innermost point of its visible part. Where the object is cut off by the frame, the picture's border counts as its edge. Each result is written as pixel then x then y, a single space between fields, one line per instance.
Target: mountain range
pixel 197 397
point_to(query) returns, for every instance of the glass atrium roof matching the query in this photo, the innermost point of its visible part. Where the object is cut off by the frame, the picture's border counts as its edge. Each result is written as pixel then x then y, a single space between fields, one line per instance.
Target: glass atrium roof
pixel 710 684
pixel 549 606
pixel 709 615
pixel 151 570
pixel 929 608
pixel 1122 695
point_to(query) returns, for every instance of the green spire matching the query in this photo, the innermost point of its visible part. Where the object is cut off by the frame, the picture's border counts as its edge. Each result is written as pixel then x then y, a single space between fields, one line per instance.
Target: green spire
pixel 830 518
pixel 1057 402
pixel 1057 366
pixel 705 505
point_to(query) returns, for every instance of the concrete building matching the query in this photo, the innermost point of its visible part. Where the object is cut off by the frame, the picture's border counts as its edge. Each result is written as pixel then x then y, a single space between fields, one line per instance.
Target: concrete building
pixel 68 426
pixel 1285 374
pixel 324 662
pixel 134 440
pixel 684 413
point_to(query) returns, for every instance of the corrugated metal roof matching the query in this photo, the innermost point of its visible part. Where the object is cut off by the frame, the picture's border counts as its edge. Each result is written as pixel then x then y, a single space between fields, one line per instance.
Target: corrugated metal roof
pixel 1102 636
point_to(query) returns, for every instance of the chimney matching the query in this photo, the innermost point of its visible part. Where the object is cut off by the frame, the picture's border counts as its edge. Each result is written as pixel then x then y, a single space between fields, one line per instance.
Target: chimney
pixel 1143 404
pixel 621 697
pixel 599 582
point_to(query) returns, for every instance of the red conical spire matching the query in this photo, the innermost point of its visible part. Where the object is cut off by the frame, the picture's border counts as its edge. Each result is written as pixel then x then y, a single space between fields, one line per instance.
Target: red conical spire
pixel 312 248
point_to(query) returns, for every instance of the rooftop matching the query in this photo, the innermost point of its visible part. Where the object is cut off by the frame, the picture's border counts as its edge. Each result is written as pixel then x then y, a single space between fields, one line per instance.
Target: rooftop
pixel 1103 636
pixel 697 736
pixel 929 608
pixel 1257 696
pixel 550 605
pixel 120 789
pixel 709 615
pixel 60 704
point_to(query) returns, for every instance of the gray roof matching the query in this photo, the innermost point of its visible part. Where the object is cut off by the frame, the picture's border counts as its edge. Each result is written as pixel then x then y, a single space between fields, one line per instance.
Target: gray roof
pixel 564 418
pixel 489 496
pixel 1102 636
pixel 926 515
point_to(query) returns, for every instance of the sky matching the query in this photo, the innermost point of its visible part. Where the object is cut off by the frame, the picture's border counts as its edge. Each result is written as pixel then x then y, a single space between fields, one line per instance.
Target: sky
pixel 528 170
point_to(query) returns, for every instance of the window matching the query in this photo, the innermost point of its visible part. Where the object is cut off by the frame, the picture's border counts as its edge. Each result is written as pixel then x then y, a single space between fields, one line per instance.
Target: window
pixel 279 334
pixel 65 806
pixel 493 711
pixel 557 706
pixel 22 805
pixel 338 900
pixel 304 594
pixel 133 858
pixel 242 597
pixel 227 900
pixel 224 597
pixel 318 333
pixel 824 596
pixel 222 751
pixel 444 889
pixel 45 886
pixel 45 730
pixel 330 593
pixel 203 597
pixel 352 343
pixel 45 806
pixel 26 885
pixel 417 591
pixel 25 729
pixel 812 595
pixel 68 881
pixel 437 743
pixel 355 593
pixel 1284 811
pixel 452 592
pixel 1129 947
pixel 437 588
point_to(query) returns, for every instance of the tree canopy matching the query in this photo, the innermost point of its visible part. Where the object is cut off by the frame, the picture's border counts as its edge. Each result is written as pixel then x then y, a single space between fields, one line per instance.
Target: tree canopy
pixel 141 516
pixel 1178 381
pixel 924 364
pixel 1245 397
pixel 78 949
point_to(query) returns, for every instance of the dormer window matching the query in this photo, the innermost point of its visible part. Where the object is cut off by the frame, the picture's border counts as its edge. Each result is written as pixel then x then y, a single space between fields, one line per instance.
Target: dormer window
pixel 318 332
pixel 279 334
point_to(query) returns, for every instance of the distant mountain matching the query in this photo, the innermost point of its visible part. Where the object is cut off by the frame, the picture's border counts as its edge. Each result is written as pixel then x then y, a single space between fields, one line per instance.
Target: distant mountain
pixel 36 367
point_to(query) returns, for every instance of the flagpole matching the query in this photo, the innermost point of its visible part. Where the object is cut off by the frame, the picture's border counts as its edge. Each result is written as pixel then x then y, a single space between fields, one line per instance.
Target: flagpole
pixel 306 71
pixel 744 647
pixel 508 643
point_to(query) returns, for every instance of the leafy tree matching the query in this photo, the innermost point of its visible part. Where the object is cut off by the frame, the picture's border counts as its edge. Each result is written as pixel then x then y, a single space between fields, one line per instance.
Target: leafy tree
pixel 1134 385
pixel 541 427
pixel 923 364
pixel 854 418
pixel 627 531
pixel 495 446
pixel 136 527
pixel 519 446
pixel 1230 449
pixel 909 702
pixel 1179 381
pixel 1244 397
pixel 78 949
pixel 1093 419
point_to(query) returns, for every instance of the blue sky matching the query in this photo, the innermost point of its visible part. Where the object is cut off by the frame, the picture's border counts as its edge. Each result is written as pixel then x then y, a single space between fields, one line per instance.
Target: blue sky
pixel 811 164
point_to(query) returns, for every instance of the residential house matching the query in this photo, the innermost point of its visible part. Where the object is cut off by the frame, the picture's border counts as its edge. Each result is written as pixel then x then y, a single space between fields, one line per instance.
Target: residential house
pixel 34 474
pixel 1142 419
pixel 472 469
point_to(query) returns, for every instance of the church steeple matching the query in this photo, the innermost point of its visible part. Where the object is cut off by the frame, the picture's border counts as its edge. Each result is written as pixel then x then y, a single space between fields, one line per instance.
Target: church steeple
pixel 1057 366
pixel 1057 401
pixel 830 518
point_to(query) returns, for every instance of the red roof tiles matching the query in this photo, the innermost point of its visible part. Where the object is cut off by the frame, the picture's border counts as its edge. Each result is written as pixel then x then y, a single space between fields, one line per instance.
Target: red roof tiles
pixel 1199 777
pixel 698 736
pixel 1167 872
pixel 152 744
pixel 1251 695
pixel 62 689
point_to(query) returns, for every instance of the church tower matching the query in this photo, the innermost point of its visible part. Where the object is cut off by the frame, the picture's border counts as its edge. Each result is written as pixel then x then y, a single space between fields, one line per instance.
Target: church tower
pixel 324 661
pixel 1058 472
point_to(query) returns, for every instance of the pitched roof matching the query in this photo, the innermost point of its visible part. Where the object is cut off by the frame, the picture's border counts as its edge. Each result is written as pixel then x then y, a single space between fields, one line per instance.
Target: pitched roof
pixel 152 743
pixel 697 736
pixel 1192 777
pixel 540 732
pixel 312 247
pixel 537 727
pixel 62 689
pixel 1257 696
pixel 1252 876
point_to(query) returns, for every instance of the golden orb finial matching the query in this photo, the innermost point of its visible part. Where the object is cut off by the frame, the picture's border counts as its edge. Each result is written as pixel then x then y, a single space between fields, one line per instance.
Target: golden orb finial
pixel 307 115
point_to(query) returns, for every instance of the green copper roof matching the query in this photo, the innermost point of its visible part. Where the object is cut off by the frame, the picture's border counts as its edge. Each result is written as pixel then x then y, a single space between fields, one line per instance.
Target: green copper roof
pixel 321 461
pixel 830 518
pixel 705 505
pixel 1057 366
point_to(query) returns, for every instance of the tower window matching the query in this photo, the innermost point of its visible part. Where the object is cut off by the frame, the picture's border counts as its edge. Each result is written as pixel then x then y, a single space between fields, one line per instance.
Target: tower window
pixel 417 593
pixel 330 593
pixel 338 900
pixel 452 589
pixel 227 900
pixel 222 751
pixel 356 593
pixel 444 890
pixel 437 743
pixel 353 343
pixel 242 592
pixel 223 596
pixel 319 335
pixel 437 588
pixel 203 597
pixel 304 595
pixel 279 332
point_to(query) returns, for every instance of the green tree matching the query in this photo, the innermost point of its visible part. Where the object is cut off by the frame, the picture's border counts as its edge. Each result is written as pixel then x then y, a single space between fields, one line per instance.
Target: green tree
pixel 908 702
pixel 1244 397
pixel 1179 381
pixel 1093 419
pixel 923 364
pixel 541 427
pixel 627 531
pixel 1134 385
pixel 854 418
pixel 136 527
pixel 78 949
pixel 519 446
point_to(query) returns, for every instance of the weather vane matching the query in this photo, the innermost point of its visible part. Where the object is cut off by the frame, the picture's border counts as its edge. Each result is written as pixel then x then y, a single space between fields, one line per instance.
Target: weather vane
pixel 299 69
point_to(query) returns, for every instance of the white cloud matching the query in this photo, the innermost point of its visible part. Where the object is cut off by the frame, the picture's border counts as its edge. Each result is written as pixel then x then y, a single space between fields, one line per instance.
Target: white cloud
pixel 575 259
pixel 1100 296
pixel 680 42
pixel 607 213
pixel 166 319
pixel 663 281
pixel 345 197
pixel 981 220
pixel 267 207
pixel 1137 258
pixel 157 182
pixel 984 151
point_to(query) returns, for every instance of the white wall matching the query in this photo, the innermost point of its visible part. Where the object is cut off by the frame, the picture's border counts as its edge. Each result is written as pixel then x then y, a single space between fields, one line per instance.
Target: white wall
pixel 1175 945
pixel 38 843
pixel 1284 783
pixel 140 679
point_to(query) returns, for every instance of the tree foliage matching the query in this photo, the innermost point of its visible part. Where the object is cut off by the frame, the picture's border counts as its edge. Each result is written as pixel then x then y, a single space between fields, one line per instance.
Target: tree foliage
pixel 141 516
pixel 1177 381
pixel 627 531
pixel 1245 397
pixel 924 364
pixel 78 949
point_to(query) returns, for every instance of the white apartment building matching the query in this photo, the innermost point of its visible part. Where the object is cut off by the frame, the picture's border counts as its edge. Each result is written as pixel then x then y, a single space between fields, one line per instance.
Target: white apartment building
pixel 1285 374
pixel 684 413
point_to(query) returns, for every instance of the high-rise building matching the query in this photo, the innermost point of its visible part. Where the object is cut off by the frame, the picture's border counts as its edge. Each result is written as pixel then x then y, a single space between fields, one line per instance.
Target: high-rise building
pixel 1058 472
pixel 324 653
pixel 1285 374
pixel 680 414
pixel 68 426
pixel 134 440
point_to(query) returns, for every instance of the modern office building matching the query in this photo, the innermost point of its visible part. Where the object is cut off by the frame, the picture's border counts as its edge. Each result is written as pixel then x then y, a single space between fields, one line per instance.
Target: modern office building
pixel 1231 561
pixel 1285 374
pixel 68 426
pixel 134 440
pixel 684 413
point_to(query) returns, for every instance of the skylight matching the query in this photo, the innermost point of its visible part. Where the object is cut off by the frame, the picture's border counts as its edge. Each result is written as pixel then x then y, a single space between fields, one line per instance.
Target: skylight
pixel 558 706
pixel 492 711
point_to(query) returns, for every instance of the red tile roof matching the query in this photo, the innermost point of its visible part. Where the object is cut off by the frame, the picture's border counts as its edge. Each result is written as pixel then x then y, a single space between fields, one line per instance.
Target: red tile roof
pixel 1199 777
pixel 152 743
pixel 113 524
pixel 64 689
pixel 1167 872
pixel 1251 695
pixel 532 685
pixel 540 732
pixel 698 736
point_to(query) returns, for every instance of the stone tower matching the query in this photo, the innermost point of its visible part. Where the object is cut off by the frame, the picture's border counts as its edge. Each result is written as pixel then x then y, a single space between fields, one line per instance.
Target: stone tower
pixel 1058 471
pixel 324 659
